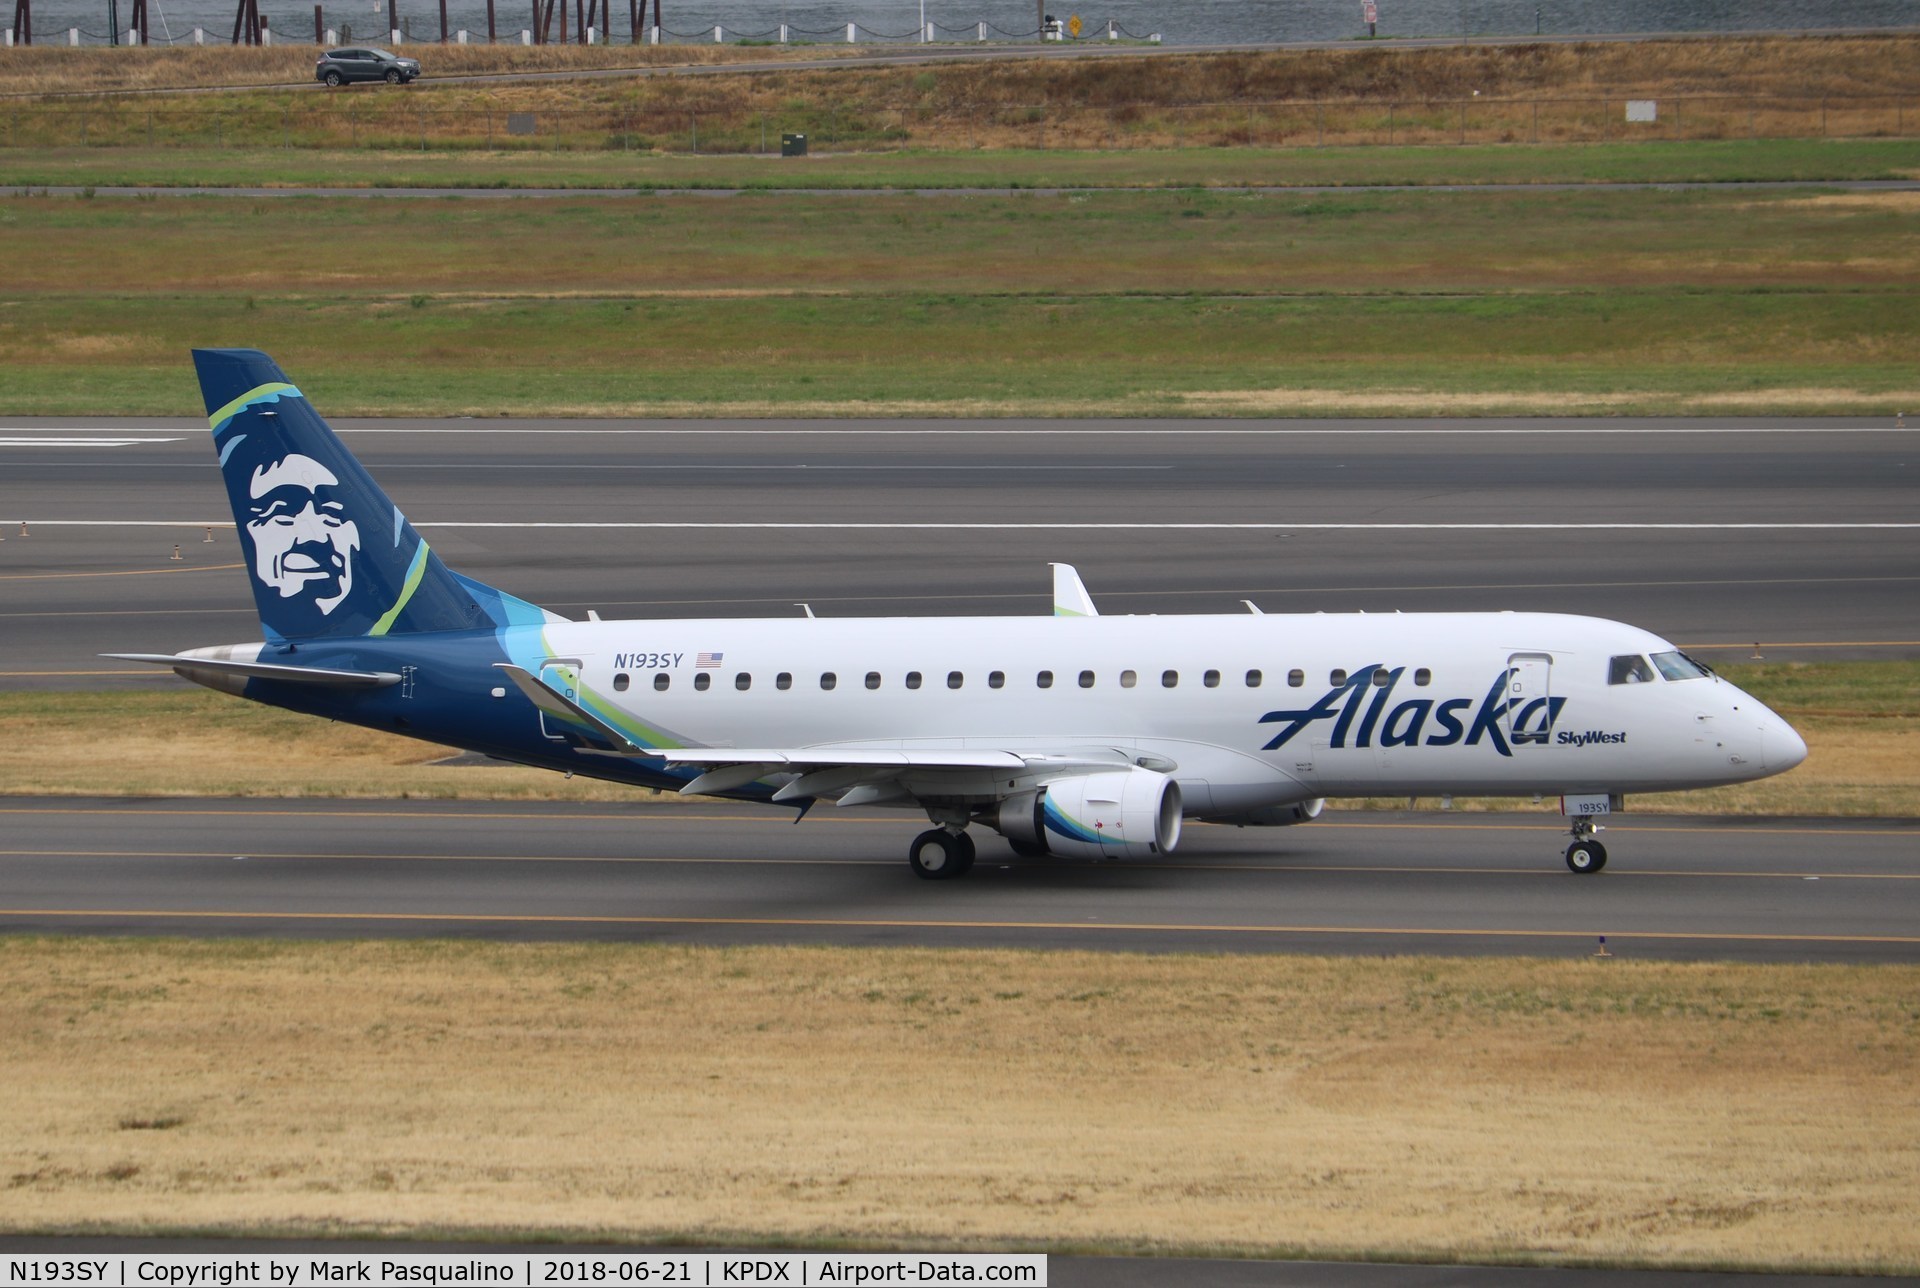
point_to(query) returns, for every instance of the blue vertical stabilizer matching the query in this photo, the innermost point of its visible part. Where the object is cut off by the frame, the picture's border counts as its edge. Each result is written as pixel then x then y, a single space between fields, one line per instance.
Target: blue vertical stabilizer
pixel 329 555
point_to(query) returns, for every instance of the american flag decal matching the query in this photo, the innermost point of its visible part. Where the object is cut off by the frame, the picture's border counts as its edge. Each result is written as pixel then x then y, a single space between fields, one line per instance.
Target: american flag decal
pixel 707 660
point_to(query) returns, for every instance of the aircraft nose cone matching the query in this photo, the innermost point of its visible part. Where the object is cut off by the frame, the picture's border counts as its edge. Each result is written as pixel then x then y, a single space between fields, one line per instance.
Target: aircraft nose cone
pixel 1781 748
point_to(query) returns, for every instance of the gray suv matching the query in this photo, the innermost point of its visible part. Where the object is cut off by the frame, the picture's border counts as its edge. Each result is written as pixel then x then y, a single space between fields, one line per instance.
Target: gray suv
pixel 343 65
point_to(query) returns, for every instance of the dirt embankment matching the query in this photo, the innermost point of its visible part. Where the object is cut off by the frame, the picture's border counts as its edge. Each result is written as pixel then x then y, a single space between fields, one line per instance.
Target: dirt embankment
pixel 1844 66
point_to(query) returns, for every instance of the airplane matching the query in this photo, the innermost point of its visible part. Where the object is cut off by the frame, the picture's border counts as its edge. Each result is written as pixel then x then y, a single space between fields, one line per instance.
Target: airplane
pixel 1075 734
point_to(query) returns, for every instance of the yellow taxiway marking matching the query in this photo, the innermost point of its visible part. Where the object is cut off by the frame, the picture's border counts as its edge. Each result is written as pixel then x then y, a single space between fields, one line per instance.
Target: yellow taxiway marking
pixel 1278 868
pixel 889 923
pixel 136 572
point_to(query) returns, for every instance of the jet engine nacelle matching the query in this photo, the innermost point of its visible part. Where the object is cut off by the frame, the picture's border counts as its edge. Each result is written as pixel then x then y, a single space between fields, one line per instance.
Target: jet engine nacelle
pixel 1129 812
pixel 1274 815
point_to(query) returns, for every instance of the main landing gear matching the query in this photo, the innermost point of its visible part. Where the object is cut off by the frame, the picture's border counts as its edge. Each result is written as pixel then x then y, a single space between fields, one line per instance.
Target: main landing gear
pixel 1586 855
pixel 940 855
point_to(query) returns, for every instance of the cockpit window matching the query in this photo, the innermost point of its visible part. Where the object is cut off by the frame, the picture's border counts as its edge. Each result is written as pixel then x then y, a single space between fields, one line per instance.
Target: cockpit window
pixel 1678 666
pixel 1629 668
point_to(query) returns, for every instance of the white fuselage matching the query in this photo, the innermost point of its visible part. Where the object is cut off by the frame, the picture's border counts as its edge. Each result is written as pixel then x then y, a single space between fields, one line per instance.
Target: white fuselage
pixel 1250 711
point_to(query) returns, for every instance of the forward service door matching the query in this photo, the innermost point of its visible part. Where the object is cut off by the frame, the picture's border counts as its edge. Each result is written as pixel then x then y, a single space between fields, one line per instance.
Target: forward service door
pixel 1529 714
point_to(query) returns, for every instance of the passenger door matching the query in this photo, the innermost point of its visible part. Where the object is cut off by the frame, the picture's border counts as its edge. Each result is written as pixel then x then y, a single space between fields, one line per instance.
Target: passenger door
pixel 1528 716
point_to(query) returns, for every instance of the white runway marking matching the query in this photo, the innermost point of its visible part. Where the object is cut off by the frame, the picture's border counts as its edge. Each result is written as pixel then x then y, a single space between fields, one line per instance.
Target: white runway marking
pixel 17 440
pixel 1110 430
pixel 779 526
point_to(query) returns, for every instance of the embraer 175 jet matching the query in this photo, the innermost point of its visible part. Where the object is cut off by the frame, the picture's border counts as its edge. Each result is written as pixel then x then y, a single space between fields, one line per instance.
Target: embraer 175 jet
pixel 1074 734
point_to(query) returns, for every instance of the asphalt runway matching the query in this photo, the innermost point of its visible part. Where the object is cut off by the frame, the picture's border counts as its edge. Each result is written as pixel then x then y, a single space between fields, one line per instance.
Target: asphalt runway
pixel 711 873
pixel 1799 535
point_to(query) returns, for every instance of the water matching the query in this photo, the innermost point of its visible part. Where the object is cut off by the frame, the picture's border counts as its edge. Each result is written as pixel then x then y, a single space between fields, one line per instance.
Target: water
pixel 1179 22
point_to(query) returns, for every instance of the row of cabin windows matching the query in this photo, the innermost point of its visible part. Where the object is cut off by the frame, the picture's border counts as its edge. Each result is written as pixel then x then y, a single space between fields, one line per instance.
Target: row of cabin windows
pixel 703 680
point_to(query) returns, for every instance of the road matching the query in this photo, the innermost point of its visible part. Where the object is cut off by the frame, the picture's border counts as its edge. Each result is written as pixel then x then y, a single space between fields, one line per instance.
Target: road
pixel 1802 536
pixel 712 873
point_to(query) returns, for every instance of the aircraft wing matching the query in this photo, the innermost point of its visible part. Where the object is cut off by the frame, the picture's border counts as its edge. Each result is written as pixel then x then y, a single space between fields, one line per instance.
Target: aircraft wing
pixel 869 775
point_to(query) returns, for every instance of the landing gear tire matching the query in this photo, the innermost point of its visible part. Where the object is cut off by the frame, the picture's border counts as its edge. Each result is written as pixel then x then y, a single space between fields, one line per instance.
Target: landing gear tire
pixel 1586 857
pixel 940 855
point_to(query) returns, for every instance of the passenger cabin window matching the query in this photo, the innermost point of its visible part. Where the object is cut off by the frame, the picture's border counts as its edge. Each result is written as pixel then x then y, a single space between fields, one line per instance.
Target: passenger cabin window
pixel 662 682
pixel 1211 679
pixel 828 679
pixel 913 679
pixel 955 679
pixel 1253 679
pixel 1044 680
pixel 1678 666
pixel 1295 678
pixel 621 681
pixel 703 681
pixel 1169 679
pixel 1128 679
pixel 1086 679
pixel 784 680
pixel 1422 678
pixel 996 679
pixel 1382 677
pixel 1629 668
pixel 873 679
pixel 1337 677
pixel 743 681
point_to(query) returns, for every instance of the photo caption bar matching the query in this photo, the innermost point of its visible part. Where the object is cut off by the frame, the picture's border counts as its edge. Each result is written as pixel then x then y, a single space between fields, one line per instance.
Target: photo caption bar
pixel 282 1270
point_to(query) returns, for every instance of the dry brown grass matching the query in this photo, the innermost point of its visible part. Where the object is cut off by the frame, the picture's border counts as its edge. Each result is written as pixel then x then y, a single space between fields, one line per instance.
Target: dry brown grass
pixel 175 742
pixel 1656 1113
pixel 1781 67
pixel 1770 87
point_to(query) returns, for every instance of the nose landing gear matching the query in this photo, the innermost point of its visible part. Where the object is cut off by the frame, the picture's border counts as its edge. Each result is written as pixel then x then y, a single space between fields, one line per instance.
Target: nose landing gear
pixel 1586 855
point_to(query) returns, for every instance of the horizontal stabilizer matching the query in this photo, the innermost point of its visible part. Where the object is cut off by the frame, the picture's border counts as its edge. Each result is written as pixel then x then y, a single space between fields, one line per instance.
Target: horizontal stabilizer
pixel 322 676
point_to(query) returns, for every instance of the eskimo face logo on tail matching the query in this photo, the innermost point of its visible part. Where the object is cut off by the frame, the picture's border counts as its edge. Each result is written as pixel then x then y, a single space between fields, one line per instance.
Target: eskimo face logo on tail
pixel 1363 721
pixel 303 541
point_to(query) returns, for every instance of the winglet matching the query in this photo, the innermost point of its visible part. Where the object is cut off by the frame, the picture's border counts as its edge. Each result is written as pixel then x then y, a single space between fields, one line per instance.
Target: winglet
pixel 1070 598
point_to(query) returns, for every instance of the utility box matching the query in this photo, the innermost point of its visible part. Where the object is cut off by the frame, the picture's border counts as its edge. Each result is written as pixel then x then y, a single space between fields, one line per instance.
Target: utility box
pixel 793 145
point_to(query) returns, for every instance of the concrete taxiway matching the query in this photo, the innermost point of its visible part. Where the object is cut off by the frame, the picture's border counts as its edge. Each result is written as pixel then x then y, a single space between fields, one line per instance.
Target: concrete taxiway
pixel 711 873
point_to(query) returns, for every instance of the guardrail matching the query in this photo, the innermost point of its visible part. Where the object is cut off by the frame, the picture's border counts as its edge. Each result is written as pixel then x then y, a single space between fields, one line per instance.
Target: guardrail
pixel 383 119
pixel 624 31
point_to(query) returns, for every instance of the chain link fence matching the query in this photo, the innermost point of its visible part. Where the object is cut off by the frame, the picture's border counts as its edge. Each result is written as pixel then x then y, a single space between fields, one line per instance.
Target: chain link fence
pixel 390 121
